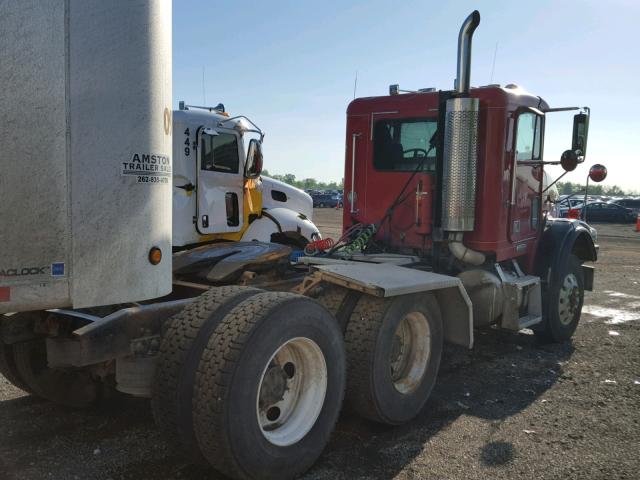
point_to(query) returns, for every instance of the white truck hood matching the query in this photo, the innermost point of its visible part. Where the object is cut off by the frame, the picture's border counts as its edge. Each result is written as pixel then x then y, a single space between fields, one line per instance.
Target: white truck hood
pixel 277 194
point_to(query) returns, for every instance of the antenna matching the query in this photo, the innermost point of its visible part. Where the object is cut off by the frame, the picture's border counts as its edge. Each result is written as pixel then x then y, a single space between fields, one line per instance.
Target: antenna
pixel 493 67
pixel 204 91
pixel 355 85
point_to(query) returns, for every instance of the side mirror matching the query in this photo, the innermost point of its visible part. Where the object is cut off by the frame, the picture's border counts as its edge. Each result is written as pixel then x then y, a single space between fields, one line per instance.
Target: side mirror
pixel 569 160
pixel 580 133
pixel 253 167
pixel 597 173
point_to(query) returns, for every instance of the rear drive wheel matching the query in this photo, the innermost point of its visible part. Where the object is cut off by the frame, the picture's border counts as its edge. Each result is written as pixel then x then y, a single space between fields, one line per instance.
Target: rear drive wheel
pixel 393 355
pixel 562 301
pixel 180 351
pixel 338 300
pixel 64 386
pixel 269 387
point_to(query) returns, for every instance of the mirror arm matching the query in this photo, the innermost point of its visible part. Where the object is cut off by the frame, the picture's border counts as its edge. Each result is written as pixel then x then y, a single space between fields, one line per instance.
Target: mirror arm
pixel 555 181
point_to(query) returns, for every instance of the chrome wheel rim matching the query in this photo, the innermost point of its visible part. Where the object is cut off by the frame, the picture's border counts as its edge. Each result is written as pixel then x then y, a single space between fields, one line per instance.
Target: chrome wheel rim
pixel 292 390
pixel 410 352
pixel 569 299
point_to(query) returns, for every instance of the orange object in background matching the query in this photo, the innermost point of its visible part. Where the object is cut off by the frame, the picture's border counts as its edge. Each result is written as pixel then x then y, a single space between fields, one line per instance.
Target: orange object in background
pixel 573 213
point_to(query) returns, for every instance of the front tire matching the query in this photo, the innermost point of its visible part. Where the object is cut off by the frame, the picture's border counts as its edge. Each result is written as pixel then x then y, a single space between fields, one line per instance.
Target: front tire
pixel 393 356
pixel 562 300
pixel 269 387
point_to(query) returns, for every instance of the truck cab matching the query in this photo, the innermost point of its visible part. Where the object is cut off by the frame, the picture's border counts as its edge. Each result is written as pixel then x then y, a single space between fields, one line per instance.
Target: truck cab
pixel 218 190
pixel 394 139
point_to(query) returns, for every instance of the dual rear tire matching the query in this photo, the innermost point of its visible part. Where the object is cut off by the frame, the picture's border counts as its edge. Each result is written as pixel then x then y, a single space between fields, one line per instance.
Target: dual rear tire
pixel 259 385
pixel 394 348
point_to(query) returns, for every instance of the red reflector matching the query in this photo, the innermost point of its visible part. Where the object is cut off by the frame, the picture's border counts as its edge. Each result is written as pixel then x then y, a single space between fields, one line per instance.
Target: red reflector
pixel 5 294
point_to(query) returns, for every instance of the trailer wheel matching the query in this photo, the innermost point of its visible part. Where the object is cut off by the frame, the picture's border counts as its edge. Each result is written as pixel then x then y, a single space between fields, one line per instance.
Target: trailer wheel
pixel 8 368
pixel 393 355
pixel 562 302
pixel 269 387
pixel 182 345
pixel 64 386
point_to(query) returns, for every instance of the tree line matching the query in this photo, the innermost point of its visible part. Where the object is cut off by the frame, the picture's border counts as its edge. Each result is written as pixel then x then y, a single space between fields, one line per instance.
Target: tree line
pixel 305 183
pixel 567 188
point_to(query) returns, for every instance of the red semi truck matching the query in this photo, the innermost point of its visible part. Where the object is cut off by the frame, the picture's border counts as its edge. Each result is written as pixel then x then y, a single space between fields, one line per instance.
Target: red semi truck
pixel 246 351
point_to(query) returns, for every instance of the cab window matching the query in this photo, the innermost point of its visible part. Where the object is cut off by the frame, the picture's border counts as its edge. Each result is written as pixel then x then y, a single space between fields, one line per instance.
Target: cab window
pixel 403 145
pixel 219 153
pixel 529 137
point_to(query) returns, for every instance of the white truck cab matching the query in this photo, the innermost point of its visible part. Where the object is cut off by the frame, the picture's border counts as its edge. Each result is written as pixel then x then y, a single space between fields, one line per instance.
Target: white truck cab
pixel 218 193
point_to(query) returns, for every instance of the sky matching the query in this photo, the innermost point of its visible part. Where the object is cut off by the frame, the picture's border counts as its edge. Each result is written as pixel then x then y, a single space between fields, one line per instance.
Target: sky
pixel 290 66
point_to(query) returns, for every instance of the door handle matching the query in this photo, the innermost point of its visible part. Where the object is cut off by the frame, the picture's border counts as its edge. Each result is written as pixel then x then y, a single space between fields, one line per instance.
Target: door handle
pixel 189 187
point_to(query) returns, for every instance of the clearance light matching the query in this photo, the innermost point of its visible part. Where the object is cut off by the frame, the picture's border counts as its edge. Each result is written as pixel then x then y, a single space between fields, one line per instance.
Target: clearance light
pixel 155 255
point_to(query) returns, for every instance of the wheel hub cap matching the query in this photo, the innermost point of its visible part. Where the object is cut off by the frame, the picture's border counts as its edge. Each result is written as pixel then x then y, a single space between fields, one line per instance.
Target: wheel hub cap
pixel 410 352
pixel 569 299
pixel 291 391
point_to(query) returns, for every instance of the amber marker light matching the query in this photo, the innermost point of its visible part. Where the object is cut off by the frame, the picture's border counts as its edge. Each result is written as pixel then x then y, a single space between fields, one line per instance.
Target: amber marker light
pixel 155 255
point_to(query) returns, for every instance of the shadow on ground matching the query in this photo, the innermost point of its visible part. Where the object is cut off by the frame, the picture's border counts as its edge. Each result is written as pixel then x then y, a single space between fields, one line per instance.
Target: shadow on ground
pixel 503 375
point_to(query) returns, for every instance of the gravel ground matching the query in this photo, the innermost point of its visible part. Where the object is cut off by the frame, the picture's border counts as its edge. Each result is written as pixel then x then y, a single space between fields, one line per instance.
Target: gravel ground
pixel 509 408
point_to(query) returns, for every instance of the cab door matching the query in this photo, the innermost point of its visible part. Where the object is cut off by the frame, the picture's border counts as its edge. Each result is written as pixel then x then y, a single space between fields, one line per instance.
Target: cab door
pixel 220 182
pixel 527 175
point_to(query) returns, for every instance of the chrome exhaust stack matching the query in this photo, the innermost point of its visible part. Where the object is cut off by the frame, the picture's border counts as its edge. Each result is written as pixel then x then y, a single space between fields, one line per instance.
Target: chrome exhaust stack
pixel 465 38
pixel 460 155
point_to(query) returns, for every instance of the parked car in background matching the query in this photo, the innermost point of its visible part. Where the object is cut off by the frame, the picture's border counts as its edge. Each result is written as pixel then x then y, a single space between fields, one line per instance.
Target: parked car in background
pixel 632 203
pixel 568 203
pixel 323 200
pixel 607 212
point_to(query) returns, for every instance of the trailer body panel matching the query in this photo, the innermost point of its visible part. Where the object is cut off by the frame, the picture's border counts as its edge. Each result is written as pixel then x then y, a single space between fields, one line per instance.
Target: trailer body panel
pixel 86 153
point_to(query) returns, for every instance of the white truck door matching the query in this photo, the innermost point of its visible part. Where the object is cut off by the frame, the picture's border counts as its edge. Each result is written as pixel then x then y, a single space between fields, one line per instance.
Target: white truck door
pixel 220 182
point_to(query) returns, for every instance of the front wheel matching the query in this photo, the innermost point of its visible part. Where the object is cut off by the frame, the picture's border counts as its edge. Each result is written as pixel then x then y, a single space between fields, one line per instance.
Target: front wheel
pixel 269 387
pixel 562 300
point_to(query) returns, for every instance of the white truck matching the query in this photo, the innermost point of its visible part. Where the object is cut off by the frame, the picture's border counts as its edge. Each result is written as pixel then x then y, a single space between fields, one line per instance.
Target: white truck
pixel 218 190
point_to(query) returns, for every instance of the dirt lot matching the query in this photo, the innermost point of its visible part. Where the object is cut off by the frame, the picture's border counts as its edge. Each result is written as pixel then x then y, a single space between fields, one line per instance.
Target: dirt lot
pixel 509 408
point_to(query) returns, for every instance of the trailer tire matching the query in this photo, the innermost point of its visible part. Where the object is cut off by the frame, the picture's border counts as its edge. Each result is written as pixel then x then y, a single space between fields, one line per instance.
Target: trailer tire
pixel 65 386
pixel 275 356
pixel 8 368
pixel 180 350
pixel 393 347
pixel 562 304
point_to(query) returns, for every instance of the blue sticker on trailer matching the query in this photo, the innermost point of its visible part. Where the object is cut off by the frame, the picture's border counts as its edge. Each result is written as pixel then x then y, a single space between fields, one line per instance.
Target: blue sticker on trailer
pixel 57 269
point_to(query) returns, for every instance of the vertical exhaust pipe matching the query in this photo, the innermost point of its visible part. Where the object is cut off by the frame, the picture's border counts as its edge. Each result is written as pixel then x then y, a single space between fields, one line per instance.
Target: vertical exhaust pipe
pixel 460 154
pixel 465 38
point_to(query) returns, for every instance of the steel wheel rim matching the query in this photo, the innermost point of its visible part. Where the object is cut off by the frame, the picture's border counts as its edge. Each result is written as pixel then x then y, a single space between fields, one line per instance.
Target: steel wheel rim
pixel 291 392
pixel 410 352
pixel 569 299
